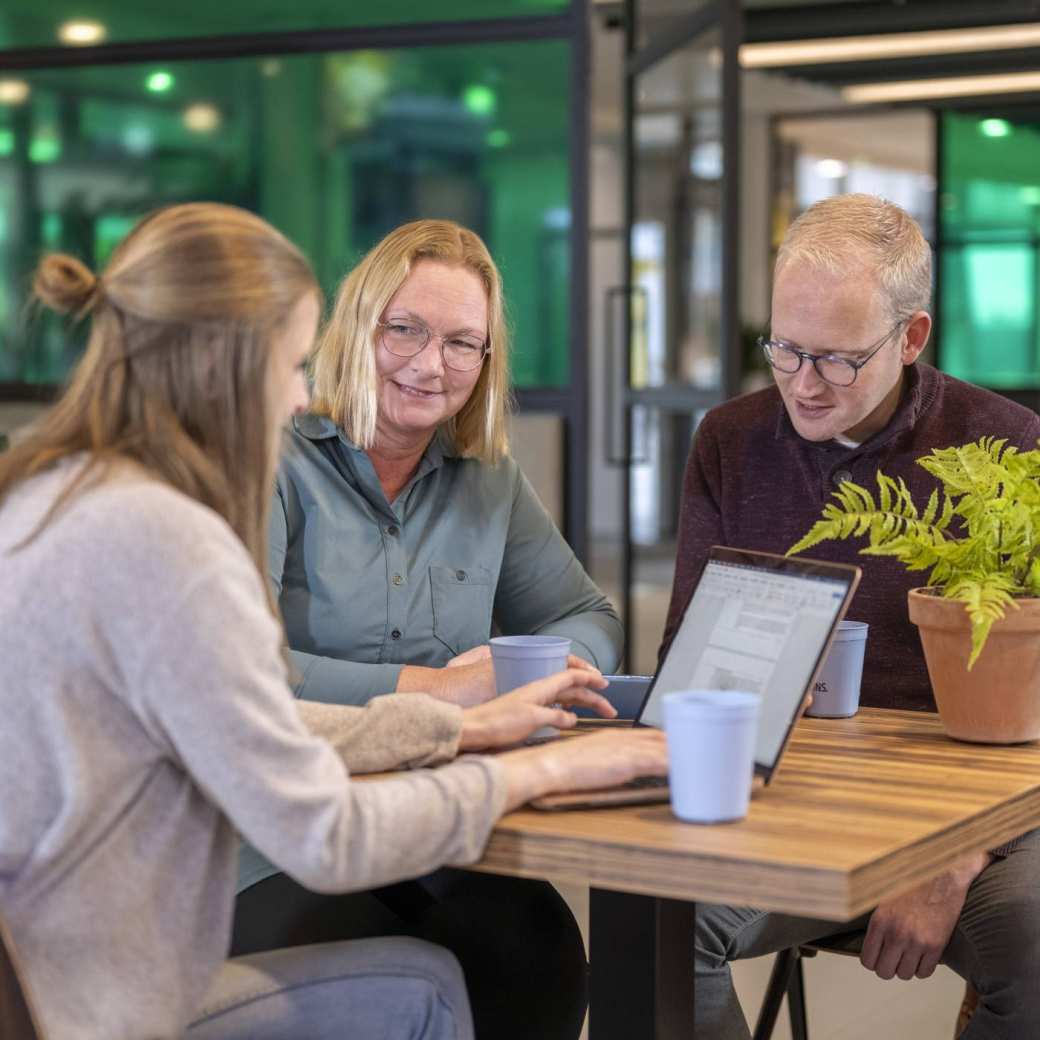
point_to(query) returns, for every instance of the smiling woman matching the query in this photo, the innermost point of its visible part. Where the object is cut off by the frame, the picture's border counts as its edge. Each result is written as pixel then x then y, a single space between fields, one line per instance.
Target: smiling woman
pixel 401 532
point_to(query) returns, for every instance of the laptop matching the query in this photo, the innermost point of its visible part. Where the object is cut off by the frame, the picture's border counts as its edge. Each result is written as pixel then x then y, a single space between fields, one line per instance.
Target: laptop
pixel 755 622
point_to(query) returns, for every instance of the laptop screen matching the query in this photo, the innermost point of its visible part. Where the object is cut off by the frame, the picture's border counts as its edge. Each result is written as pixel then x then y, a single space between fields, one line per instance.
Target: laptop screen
pixel 758 623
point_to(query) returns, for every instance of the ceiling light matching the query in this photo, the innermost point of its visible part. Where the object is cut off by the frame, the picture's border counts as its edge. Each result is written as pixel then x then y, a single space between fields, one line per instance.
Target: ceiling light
pixel 81 32
pixel 995 128
pixel 954 86
pixel 889 45
pixel 499 138
pixel 201 117
pixel 13 91
pixel 159 81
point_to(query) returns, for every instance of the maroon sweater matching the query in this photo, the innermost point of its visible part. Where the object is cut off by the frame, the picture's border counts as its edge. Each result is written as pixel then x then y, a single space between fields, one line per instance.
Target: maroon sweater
pixel 753 483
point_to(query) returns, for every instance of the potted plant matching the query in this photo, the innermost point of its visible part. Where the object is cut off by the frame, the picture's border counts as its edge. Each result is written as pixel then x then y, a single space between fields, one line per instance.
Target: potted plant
pixel 979 616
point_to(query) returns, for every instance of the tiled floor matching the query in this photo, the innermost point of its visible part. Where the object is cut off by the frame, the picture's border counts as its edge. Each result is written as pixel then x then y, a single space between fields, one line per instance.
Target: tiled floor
pixel 845 1002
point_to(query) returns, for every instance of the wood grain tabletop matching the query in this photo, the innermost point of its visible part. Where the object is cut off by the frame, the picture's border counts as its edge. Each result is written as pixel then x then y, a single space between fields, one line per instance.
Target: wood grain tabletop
pixel 859 810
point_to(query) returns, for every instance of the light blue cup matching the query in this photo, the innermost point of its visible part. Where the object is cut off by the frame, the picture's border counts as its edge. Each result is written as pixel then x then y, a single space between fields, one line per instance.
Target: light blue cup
pixel 519 660
pixel 836 689
pixel 711 753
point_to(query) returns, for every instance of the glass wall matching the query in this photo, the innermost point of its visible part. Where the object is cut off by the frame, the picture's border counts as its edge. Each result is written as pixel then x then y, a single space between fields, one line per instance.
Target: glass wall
pixel 990 243
pixel 335 149
pixel 46 23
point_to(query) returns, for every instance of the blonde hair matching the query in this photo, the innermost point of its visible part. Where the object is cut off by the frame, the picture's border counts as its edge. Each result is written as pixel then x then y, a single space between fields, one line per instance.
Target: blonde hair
pixel 846 232
pixel 344 367
pixel 175 376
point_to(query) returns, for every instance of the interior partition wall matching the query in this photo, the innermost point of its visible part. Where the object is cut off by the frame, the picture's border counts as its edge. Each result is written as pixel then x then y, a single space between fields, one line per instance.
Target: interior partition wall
pixel 336 123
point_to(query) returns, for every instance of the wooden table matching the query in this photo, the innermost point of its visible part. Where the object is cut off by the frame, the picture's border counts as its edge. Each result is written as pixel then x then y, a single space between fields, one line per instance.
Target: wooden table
pixel 860 810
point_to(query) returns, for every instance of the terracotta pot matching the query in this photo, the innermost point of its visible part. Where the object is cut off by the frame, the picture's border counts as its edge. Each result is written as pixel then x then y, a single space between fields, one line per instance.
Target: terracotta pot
pixel 998 701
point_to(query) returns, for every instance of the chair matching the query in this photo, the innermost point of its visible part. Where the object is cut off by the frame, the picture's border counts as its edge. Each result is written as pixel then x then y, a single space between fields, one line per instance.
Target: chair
pixel 18 1021
pixel 788 979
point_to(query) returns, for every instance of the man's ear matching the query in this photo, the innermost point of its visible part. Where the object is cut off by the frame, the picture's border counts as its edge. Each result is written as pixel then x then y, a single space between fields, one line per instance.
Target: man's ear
pixel 915 336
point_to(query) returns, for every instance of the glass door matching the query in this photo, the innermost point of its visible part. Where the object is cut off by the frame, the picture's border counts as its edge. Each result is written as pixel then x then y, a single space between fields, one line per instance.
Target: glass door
pixel 673 340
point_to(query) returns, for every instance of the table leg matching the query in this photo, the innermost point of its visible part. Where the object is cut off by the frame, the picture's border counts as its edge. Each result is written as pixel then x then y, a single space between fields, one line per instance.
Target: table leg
pixel 641 974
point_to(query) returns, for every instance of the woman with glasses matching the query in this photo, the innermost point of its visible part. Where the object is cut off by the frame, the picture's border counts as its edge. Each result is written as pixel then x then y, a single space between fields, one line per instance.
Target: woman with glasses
pixel 401 532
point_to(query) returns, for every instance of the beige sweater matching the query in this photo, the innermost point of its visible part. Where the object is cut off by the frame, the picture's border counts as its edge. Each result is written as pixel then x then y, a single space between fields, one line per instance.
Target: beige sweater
pixel 146 718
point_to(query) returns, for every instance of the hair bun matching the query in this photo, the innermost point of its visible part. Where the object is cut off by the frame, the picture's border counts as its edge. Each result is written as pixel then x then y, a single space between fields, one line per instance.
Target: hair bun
pixel 65 284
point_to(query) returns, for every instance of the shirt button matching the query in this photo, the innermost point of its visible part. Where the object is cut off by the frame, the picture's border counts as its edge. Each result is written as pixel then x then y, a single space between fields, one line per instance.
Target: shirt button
pixel 396 634
pixel 397 579
pixel 461 575
pixel 392 530
pixel 841 476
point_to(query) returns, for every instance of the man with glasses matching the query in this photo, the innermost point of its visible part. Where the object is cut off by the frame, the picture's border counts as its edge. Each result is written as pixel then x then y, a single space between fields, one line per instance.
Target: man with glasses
pixel 849 321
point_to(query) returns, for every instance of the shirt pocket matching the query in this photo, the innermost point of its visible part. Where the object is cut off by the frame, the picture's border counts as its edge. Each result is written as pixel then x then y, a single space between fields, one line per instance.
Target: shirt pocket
pixel 461 605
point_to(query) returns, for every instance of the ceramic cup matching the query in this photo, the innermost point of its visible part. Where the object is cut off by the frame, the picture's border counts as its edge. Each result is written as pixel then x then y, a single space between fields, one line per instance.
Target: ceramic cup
pixel 836 690
pixel 519 660
pixel 711 752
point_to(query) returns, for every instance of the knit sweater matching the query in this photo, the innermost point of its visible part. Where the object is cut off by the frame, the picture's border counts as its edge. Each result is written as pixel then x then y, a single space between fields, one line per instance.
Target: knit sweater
pixel 147 717
pixel 752 482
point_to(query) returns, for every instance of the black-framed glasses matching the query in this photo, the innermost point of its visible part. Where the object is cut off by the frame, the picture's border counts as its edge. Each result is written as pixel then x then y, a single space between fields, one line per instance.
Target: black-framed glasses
pixel 787 358
pixel 406 337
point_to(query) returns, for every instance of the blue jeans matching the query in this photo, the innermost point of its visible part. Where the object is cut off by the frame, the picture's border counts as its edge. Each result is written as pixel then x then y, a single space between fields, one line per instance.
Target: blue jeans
pixel 995 946
pixel 368 989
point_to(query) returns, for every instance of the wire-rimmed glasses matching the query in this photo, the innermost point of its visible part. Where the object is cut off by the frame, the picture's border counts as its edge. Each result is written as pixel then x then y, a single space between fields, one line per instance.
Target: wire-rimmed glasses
pixel 406 337
pixel 838 371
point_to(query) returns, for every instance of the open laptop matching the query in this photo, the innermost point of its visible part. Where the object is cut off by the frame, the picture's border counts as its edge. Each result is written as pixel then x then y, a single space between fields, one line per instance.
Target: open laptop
pixel 755 622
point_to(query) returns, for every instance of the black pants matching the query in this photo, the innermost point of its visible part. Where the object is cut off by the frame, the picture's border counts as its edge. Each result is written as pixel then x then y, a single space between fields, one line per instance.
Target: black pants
pixel 517 941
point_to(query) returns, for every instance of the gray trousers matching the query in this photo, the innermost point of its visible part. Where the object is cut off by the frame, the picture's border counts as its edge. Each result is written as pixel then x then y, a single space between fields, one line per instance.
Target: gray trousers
pixel 995 946
pixel 367 989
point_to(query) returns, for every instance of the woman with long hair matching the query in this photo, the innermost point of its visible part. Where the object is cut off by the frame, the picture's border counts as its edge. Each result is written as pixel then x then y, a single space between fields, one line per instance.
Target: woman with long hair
pixel 147 714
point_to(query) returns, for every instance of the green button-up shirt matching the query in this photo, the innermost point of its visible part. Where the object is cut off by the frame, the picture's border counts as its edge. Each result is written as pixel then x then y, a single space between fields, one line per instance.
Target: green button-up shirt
pixel 367 586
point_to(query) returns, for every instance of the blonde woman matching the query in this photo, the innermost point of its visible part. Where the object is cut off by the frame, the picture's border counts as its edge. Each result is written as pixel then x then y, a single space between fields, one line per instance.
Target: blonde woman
pixel 402 529
pixel 147 715
pixel 401 532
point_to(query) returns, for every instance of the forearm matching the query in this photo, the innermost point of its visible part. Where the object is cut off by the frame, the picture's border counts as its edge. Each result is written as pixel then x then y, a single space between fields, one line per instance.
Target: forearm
pixel 391 732
pixel 395 828
pixel 333 681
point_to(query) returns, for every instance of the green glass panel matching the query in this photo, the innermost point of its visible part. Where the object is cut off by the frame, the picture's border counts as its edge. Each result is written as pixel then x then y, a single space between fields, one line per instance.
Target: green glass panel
pixel 43 22
pixel 990 234
pixel 335 149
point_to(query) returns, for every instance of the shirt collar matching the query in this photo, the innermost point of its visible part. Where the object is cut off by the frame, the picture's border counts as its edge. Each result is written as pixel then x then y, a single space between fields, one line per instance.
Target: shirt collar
pixel 321 427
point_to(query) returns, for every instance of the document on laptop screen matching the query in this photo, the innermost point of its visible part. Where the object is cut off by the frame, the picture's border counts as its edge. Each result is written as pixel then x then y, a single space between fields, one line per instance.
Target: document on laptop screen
pixel 753 629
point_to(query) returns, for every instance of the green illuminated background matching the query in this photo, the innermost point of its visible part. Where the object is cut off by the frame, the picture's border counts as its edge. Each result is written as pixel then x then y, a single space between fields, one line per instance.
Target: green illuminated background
pixel 990 221
pixel 334 148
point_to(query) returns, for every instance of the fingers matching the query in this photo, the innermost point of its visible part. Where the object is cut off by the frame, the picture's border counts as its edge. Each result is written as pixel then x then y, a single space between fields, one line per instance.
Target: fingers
pixel 574 661
pixel 554 687
pixel 589 699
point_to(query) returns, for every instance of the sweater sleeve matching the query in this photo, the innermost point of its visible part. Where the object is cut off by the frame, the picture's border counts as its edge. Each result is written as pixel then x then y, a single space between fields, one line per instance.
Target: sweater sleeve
pixel 544 590
pixel 219 709
pixel 700 522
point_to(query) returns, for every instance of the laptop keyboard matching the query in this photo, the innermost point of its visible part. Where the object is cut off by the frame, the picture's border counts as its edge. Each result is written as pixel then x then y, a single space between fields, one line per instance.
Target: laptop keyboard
pixel 647 781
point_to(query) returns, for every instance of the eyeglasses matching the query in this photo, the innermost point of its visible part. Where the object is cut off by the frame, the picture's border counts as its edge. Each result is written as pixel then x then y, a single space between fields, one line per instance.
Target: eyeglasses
pixel 787 358
pixel 406 338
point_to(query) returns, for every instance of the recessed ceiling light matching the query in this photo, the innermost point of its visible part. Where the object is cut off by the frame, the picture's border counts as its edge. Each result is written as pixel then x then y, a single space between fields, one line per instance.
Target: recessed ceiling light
pixel 201 117
pixel 81 32
pixel 13 91
pixel 889 45
pixel 953 86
